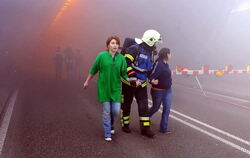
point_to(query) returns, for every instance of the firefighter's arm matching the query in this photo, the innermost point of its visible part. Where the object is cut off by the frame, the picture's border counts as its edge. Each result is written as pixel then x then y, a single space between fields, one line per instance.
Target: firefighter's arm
pixel 130 57
pixel 124 70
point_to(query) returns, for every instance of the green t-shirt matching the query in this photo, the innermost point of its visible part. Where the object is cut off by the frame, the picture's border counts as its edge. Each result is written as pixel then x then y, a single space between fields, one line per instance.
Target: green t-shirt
pixel 110 73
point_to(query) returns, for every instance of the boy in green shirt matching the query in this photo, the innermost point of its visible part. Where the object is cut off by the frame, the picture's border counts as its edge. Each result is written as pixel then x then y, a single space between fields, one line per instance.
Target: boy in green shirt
pixel 111 66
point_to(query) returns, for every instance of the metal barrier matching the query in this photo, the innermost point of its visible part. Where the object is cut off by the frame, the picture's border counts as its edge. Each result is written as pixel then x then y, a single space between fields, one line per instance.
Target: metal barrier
pixel 180 70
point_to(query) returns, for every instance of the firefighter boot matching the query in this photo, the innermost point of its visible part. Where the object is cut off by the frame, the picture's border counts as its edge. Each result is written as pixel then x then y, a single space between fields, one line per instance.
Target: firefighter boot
pixel 126 129
pixel 146 131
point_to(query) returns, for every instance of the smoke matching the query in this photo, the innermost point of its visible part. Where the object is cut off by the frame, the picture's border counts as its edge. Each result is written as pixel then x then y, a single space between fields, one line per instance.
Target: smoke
pixel 197 32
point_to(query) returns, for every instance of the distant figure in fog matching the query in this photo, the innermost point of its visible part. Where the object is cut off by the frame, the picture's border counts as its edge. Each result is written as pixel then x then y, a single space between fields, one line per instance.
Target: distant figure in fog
pixel 78 64
pixel 111 66
pixel 161 90
pixel 58 60
pixel 69 61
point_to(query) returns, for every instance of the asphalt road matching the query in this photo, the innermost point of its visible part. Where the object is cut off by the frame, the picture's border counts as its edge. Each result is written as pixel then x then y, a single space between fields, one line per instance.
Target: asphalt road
pixel 59 120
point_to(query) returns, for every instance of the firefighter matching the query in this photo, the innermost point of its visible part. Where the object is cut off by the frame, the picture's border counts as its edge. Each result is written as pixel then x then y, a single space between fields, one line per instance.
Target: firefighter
pixel 139 57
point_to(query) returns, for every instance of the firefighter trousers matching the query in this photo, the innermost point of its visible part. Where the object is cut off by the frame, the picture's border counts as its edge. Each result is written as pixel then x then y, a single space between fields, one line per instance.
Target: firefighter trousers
pixel 141 96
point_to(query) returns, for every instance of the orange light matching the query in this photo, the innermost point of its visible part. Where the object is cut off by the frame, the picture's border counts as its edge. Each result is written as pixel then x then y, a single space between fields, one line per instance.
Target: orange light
pixel 219 73
pixel 248 68
pixel 59 14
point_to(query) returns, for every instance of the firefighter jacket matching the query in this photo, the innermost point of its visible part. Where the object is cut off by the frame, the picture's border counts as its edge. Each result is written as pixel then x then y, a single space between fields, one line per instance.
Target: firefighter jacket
pixel 139 58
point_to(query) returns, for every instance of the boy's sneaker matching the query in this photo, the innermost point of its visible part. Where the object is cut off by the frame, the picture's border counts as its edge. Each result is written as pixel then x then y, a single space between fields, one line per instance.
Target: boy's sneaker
pixel 112 130
pixel 108 139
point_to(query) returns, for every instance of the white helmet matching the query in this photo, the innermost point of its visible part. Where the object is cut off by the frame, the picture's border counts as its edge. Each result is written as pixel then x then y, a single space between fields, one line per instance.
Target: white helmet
pixel 150 37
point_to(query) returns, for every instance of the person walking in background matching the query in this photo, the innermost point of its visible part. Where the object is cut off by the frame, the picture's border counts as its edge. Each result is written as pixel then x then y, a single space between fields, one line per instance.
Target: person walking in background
pixel 58 60
pixel 161 90
pixel 69 61
pixel 111 66
pixel 78 64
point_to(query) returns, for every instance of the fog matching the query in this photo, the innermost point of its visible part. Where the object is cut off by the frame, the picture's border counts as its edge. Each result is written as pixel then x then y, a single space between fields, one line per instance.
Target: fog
pixel 214 33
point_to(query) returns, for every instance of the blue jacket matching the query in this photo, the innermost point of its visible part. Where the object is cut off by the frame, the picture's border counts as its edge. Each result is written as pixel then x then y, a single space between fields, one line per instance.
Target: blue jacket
pixel 139 61
pixel 162 72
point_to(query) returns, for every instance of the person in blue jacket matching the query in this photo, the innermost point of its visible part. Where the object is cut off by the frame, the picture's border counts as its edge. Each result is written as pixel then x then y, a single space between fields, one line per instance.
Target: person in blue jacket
pixel 161 90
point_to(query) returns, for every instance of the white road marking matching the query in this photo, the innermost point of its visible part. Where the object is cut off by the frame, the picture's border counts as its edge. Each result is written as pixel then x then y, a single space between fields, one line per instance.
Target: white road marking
pixel 208 133
pixel 198 81
pixel 212 135
pixel 6 120
pixel 217 94
pixel 213 128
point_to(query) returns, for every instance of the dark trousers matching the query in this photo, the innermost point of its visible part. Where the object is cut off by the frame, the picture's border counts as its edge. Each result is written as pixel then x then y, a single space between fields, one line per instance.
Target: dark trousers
pixel 141 96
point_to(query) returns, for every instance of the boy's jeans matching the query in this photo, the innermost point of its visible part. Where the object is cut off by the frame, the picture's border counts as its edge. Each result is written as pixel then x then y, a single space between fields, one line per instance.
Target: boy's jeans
pixel 110 111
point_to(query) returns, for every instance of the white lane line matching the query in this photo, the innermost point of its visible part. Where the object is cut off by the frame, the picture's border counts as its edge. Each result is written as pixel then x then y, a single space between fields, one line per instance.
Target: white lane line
pixel 213 128
pixel 212 135
pixel 6 120
pixel 233 98
pixel 210 127
pixel 217 94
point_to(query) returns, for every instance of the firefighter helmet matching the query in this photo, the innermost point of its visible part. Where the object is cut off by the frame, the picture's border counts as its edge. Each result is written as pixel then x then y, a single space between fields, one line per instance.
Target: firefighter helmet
pixel 150 37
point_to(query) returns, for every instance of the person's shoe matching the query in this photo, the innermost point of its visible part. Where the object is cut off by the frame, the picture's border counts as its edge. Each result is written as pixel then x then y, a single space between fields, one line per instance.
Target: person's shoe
pixel 166 132
pixel 112 130
pixel 147 132
pixel 108 139
pixel 126 129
